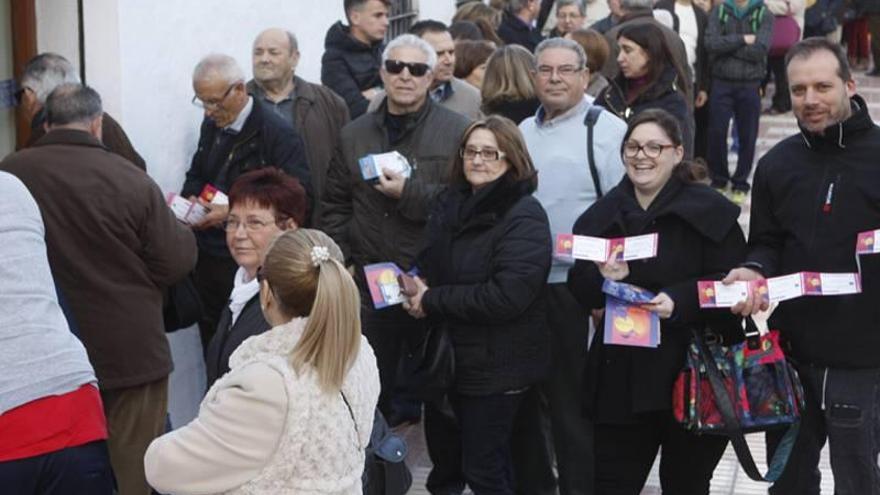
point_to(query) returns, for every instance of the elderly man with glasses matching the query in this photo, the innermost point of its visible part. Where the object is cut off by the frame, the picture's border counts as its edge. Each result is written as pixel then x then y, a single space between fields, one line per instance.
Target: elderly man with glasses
pixel 236 136
pixel 384 220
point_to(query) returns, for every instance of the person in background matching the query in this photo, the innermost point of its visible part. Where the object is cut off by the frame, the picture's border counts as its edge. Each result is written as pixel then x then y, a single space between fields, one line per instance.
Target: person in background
pixel 649 78
pixel 558 142
pixel 465 31
pixel 295 412
pixel 517 27
pixel 236 135
pixel 486 257
pixel 570 15
pixel 352 54
pixel 114 246
pixel 596 48
pixel 485 17
pixel 471 59
pixel 781 101
pixel 447 89
pixel 871 10
pixel 628 390
pixel 51 416
pixel 509 84
pixel 262 204
pixel 40 76
pixel 314 111
pixel 737 40
pixel 615 13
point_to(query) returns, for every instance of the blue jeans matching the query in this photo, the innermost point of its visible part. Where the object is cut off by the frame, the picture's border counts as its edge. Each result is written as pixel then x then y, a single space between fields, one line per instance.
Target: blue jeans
pixel 742 102
pixel 849 420
pixel 73 471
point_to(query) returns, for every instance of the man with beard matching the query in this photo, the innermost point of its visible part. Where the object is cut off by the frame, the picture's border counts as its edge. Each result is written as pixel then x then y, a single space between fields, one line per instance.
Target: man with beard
pixel 315 112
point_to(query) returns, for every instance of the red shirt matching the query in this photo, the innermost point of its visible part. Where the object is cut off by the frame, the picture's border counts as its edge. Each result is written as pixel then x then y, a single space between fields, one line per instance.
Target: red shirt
pixel 52 423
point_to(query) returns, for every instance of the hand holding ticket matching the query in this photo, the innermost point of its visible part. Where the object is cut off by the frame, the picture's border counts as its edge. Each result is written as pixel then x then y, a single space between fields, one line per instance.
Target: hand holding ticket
pixel 581 247
pixel 714 294
pixel 373 165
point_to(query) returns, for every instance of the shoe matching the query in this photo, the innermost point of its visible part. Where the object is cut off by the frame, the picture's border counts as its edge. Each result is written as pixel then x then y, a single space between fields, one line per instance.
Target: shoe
pixel 873 72
pixel 722 190
pixel 739 197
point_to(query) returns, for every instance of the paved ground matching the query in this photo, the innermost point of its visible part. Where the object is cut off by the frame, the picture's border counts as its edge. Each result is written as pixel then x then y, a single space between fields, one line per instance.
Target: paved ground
pixel 188 382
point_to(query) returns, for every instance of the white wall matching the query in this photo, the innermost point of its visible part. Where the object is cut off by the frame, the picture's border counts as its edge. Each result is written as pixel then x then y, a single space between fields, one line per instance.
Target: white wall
pixel 140 56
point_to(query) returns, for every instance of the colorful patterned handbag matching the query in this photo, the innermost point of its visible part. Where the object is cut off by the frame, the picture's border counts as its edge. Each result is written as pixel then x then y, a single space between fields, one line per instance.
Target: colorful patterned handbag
pixel 742 388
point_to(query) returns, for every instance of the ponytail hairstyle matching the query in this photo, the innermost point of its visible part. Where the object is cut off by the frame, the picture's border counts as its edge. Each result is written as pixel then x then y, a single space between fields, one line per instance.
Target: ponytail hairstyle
pixel 686 170
pixel 305 271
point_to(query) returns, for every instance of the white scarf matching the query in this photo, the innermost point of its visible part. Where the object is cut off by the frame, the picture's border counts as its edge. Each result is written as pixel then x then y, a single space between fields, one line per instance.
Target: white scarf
pixel 242 292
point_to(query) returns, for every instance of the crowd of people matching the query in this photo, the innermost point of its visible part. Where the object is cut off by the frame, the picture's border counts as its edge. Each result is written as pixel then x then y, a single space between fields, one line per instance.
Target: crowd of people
pixel 513 132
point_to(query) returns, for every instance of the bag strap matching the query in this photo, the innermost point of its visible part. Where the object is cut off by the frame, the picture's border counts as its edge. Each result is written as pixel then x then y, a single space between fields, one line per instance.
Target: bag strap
pixel 351 413
pixel 590 121
pixel 732 426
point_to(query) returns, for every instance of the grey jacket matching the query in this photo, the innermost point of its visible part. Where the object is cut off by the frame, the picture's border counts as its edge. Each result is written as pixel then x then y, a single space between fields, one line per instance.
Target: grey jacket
pixel 731 59
pixel 369 226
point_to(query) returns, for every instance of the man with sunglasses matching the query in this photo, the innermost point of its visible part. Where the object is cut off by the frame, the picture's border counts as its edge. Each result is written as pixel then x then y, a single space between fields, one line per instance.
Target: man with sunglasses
pixel 41 75
pixel 384 221
pixel 576 166
pixel 236 136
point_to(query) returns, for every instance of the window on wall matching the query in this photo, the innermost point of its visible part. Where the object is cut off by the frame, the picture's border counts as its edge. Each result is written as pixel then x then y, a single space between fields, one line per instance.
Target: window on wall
pixel 402 15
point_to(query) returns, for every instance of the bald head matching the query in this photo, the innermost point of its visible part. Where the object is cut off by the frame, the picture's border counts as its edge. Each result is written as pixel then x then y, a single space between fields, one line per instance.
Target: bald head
pixel 274 56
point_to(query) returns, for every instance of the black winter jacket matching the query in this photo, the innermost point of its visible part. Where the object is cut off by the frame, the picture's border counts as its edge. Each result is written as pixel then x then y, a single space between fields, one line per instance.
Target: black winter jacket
pixel 265 140
pixel 730 58
pixel 486 262
pixel 698 239
pixel 349 66
pixel 369 226
pixel 513 31
pixel 792 230
pixel 665 94
pixel 228 337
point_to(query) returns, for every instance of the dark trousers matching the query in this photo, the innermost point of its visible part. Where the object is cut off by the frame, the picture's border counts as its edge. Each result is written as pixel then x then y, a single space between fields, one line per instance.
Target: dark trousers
pixel 849 420
pixel 84 469
pixel 471 444
pixel 625 454
pixel 742 102
pixel 781 98
pixel 874 30
pixel 571 432
pixel 701 132
pixel 391 332
pixel 213 279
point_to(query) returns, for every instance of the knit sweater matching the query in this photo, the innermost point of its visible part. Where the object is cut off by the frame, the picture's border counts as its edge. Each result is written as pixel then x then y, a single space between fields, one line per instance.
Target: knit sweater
pixel 264 428
pixel 39 357
pixel 559 152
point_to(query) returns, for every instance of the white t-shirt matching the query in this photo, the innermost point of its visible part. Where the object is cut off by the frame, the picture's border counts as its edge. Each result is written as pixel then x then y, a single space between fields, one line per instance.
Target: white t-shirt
pixel 687 30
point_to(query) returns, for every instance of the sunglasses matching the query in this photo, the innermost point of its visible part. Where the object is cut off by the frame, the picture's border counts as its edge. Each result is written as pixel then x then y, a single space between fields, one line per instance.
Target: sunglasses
pixel 416 69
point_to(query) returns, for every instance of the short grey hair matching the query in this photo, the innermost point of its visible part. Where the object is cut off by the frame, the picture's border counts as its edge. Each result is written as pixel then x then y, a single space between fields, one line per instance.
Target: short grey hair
pixel 218 65
pixel 567 3
pixel 291 40
pixel 564 44
pixel 412 41
pixel 45 72
pixel 631 5
pixel 72 103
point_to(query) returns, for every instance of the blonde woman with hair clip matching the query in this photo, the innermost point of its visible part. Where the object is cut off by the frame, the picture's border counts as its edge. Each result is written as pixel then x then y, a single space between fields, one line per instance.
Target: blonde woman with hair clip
pixel 295 412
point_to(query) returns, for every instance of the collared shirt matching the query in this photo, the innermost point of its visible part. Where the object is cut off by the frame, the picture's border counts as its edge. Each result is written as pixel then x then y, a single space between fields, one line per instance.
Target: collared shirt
pixel 238 124
pixel 282 108
pixel 442 93
pixel 580 108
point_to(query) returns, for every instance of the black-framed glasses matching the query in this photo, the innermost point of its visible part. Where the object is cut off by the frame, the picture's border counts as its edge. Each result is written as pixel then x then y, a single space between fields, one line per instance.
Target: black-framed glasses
pixel 487 155
pixel 216 103
pixel 416 69
pixel 651 149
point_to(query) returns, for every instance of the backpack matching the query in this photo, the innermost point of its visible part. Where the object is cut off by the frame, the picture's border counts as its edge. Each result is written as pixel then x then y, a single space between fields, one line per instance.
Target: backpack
pixel 754 18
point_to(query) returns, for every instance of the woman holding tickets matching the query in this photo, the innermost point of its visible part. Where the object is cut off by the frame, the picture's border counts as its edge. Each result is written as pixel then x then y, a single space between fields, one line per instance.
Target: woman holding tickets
pixel 262 204
pixel 486 262
pixel 629 389
pixel 295 412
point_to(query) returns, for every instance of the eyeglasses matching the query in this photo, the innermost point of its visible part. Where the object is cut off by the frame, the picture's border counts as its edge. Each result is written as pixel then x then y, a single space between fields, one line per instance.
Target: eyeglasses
pixel 250 225
pixel 650 149
pixel 208 105
pixel 416 69
pixel 546 72
pixel 486 155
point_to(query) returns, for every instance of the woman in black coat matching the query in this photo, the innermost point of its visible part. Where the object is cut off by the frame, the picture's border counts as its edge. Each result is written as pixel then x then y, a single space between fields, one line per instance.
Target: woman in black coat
pixel 485 264
pixel 649 78
pixel 628 389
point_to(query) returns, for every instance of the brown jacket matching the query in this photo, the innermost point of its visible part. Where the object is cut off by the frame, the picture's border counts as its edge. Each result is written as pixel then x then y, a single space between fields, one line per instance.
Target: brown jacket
pixel 319 114
pixel 113 245
pixel 112 135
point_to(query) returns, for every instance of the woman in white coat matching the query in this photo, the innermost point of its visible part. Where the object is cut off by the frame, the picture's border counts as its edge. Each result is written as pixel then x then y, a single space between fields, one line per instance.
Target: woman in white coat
pixel 295 412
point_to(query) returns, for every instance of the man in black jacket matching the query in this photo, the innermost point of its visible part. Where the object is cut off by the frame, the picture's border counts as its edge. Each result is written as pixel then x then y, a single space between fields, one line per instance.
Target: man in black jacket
pixel 813 194
pixel 516 25
pixel 352 54
pixel 237 136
